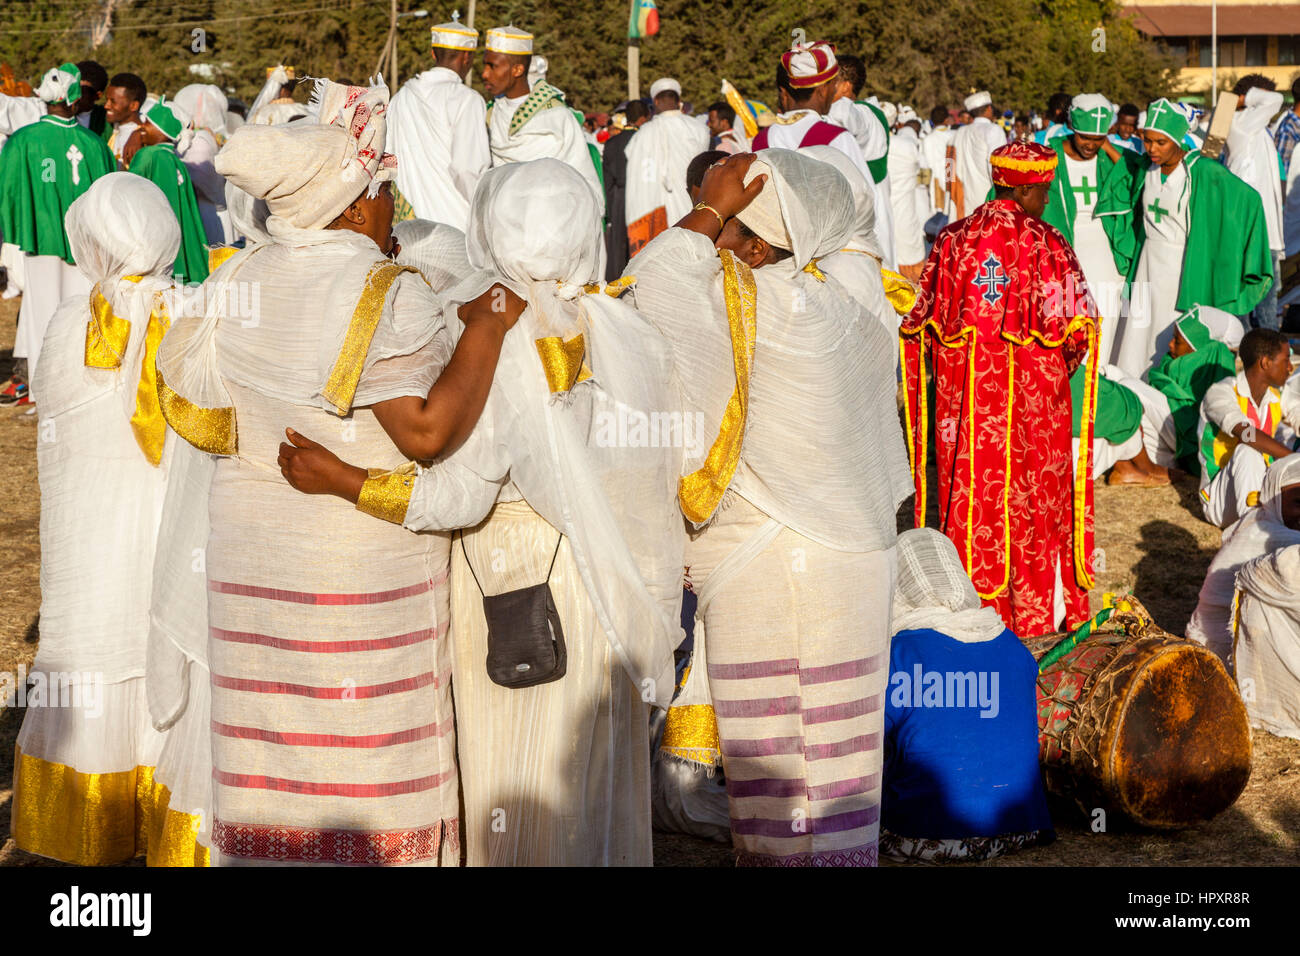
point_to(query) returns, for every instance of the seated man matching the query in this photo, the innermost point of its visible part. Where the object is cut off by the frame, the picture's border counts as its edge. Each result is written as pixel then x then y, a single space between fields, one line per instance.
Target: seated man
pixel 1267 644
pixel 1241 430
pixel 961 728
pixel 1274 524
pixel 1144 428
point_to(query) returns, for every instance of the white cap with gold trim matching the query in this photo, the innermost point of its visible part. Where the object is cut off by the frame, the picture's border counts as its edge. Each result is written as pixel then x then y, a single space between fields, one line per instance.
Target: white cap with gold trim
pixel 510 40
pixel 454 35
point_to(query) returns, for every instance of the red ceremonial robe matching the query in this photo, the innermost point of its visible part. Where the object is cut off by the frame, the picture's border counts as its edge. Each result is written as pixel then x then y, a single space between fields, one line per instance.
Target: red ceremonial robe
pixel 1005 318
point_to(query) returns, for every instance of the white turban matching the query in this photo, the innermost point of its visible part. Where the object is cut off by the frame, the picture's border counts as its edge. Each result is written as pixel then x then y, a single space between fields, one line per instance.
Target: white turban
pixel 976 100
pixel 205 106
pixel 665 84
pixel 907 115
pixel 891 113
pixel 763 215
pixel 60 85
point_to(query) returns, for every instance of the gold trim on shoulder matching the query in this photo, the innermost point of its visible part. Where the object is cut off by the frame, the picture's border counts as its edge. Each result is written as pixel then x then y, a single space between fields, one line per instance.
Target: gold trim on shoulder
pixel 341 386
pixel 701 491
pixel 212 430
pixel 218 255
pixel 107 334
pixel 387 494
pixel 147 420
pixel 563 361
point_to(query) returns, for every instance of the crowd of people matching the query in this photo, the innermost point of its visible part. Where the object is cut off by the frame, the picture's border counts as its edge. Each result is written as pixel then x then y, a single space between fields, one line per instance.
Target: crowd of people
pixel 439 480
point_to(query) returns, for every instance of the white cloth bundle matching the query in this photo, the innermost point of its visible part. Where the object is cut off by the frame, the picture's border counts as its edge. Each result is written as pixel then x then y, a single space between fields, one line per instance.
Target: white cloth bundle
pixel 1259 531
pixel 934 591
pixel 823 450
pixel 436 249
pixel 1267 646
pixel 572 453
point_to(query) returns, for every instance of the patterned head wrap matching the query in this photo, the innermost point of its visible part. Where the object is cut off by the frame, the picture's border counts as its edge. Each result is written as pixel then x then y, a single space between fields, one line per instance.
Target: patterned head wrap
pixel 810 64
pixel 1023 164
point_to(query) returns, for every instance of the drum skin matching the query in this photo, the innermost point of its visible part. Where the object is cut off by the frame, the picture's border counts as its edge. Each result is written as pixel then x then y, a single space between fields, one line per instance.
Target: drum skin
pixel 1142 724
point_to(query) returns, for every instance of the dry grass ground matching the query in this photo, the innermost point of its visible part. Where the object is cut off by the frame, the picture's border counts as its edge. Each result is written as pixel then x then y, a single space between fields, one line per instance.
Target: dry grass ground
pixel 1153 544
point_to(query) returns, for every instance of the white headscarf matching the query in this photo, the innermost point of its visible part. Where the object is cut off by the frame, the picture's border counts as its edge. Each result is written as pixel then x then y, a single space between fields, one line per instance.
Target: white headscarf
pixel 206 106
pixel 247 215
pixel 436 249
pixel 864 198
pixel 934 591
pixel 815 201
pixel 530 227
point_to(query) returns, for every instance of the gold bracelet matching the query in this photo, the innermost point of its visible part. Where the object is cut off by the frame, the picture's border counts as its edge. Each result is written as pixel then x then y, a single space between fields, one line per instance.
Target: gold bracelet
pixel 701 205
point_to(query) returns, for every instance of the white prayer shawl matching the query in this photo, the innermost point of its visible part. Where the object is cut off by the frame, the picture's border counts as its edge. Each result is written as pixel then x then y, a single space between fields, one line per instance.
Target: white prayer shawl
pixel 1253 157
pixel 436 249
pixel 1259 532
pixel 973 144
pixel 247 215
pixel 904 171
pixel 933 591
pixel 205 106
pixel 657 158
pixel 857 265
pixel 1266 649
pixel 437 128
pixel 564 451
pixel 266 109
pixel 823 373
pixel 17 112
pixel 551 133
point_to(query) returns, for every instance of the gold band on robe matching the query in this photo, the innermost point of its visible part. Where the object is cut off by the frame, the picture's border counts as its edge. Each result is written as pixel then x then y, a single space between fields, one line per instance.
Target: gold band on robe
pixel 387 494
pixel 217 257
pixel 701 491
pixel 341 386
pixel 563 361
pixel 899 290
pixel 107 334
pixel 212 430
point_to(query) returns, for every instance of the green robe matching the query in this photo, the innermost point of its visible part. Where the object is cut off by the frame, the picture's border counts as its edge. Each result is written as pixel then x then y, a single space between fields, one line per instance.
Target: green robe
pixel 1120 190
pixel 44 166
pixel 1119 410
pixel 1227 262
pixel 1184 381
pixel 160 165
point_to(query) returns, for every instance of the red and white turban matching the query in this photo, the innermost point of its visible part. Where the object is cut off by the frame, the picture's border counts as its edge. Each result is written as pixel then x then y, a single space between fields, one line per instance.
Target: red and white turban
pixel 810 64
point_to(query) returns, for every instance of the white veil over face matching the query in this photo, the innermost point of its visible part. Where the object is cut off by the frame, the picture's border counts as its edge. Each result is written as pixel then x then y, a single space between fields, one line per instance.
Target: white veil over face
pixel 574 453
pixel 934 591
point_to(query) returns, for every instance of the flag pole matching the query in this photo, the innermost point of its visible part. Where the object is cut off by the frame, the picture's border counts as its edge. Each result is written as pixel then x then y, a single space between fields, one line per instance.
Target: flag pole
pixel 633 69
pixel 1214 53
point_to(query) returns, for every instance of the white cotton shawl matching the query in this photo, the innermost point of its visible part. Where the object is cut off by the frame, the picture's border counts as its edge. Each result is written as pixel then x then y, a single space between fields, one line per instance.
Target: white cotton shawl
pixel 1266 651
pixel 205 106
pixel 436 249
pixel 531 228
pixel 823 449
pixel 100 496
pixel 1259 531
pixel 863 236
pixel 934 591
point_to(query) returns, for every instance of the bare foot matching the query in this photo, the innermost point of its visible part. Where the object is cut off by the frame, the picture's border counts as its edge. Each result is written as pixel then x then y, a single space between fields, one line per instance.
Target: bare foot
pixel 1127 473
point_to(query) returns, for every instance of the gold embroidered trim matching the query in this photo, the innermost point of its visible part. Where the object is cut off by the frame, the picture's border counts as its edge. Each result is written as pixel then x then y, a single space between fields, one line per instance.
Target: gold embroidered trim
pixel 813 270
pixel 147 420
pixel 387 494
pixel 208 429
pixel 217 257
pixel 701 491
pixel 899 290
pixel 107 334
pixel 563 361
pixel 342 383
pixel 691 733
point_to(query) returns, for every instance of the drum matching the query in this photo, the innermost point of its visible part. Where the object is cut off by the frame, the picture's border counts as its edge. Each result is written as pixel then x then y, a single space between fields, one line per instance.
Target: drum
pixel 1141 724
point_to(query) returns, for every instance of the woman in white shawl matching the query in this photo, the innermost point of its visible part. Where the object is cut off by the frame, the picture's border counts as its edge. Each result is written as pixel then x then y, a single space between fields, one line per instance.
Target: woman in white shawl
pixel 575 496
pixel 1261 530
pixel 83 773
pixel 331 720
pixel 1267 645
pixel 203 110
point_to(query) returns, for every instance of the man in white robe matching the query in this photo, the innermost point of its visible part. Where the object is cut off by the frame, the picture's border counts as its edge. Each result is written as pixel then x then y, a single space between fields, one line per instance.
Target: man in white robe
pixel 972 176
pixel 1253 157
pixel 657 158
pixel 934 151
pixel 437 128
pixel 865 121
pixel 526 124
pixel 905 164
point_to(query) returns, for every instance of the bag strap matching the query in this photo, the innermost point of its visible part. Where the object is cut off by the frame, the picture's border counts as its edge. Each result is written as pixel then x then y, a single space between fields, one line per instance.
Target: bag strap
pixel 475 576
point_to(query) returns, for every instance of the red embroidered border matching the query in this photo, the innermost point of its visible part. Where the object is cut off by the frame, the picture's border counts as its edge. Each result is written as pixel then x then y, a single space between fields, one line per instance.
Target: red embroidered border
pixel 290 844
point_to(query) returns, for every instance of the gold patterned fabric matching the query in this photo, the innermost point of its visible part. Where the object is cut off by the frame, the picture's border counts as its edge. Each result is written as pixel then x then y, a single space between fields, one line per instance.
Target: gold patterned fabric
pixel 107 334
pixel 387 494
pixel 342 384
pixel 899 290
pixel 701 491
pixel 217 257
pixel 208 429
pixel 563 361
pixel 691 733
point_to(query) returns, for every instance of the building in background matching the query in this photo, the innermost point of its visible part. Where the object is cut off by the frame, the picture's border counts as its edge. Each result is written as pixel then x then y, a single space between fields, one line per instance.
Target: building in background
pixel 1255 36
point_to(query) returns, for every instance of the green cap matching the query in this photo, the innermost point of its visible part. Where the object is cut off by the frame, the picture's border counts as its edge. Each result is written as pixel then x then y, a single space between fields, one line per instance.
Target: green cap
pixel 1191 328
pixel 162 116
pixel 1169 118
pixel 1091 114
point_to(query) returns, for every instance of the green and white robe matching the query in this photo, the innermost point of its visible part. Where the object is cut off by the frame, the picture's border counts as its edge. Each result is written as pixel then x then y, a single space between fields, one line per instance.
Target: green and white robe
pixel 161 166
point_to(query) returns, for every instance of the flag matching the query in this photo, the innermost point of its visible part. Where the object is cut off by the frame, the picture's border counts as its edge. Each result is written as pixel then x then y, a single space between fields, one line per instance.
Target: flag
pixel 644 20
pixel 749 112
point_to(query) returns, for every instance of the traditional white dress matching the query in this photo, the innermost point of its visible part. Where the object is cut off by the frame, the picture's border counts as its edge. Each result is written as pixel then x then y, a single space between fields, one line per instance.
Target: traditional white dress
pixel 934 149
pixel 1147 326
pixel 904 173
pixel 799 706
pixel 869 133
pixel 1266 646
pixel 550 133
pixel 657 158
pixel 437 128
pixel 1093 248
pixel 559 773
pixel 1252 156
pixel 83 779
